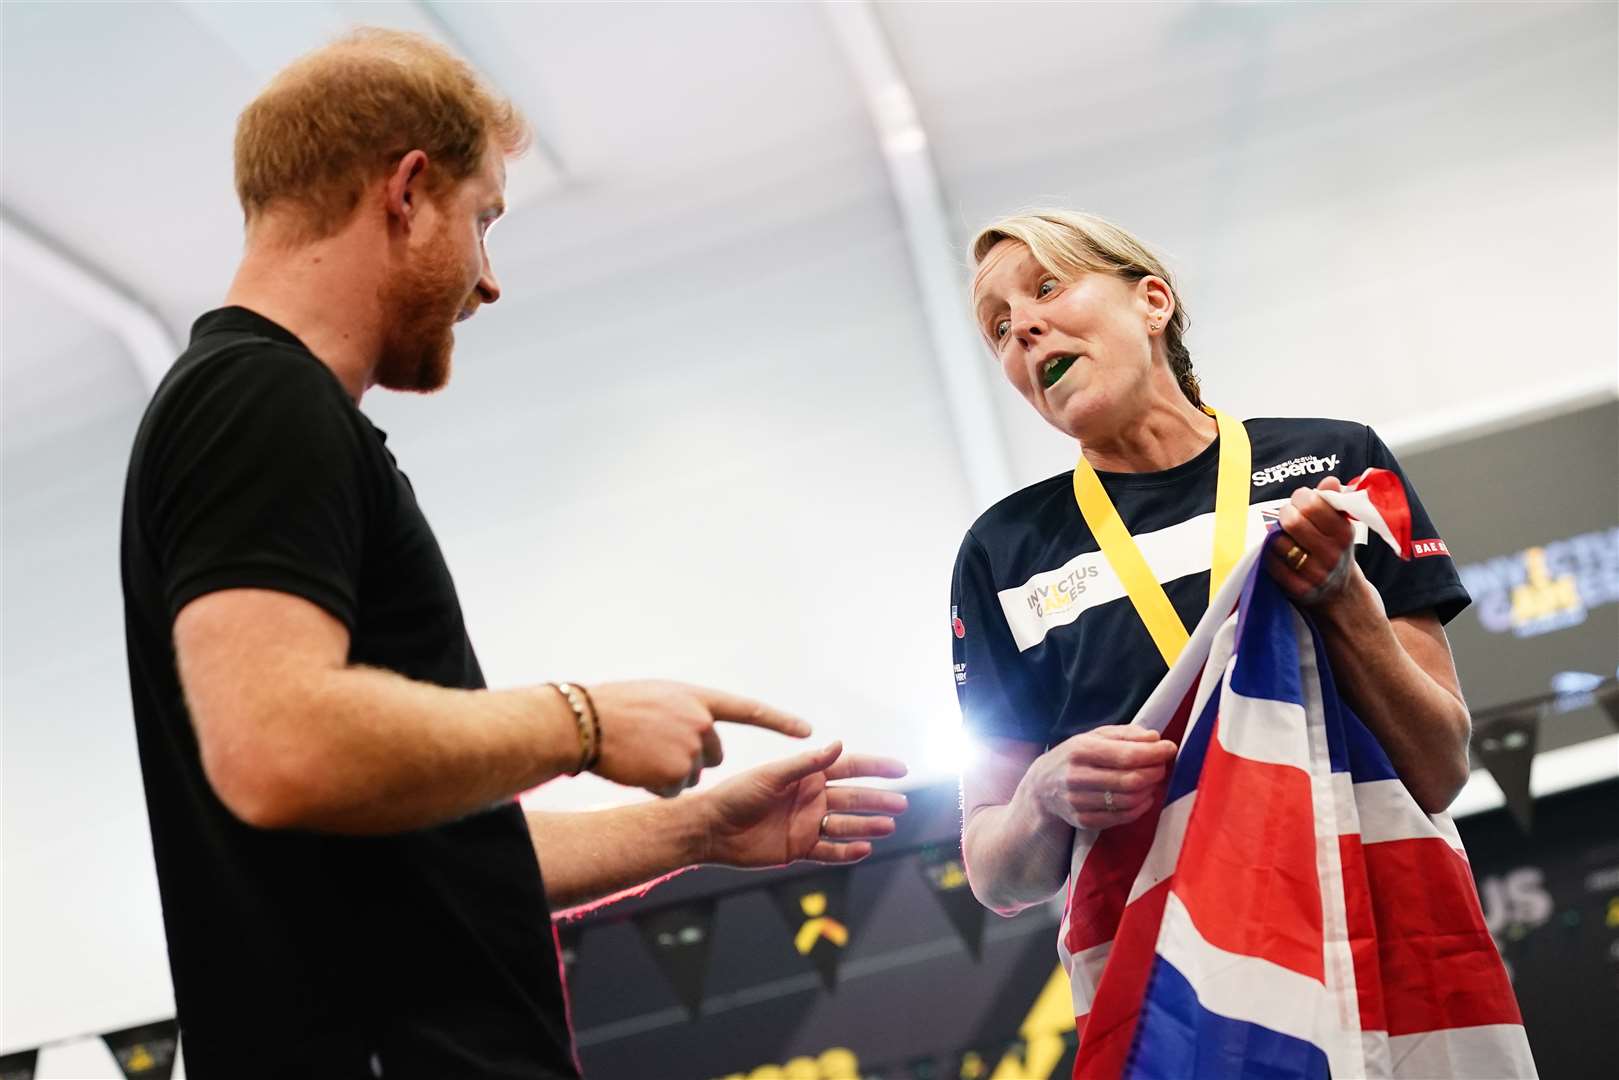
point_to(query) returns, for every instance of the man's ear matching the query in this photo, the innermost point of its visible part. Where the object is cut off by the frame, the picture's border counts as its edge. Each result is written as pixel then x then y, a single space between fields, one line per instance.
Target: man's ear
pixel 402 194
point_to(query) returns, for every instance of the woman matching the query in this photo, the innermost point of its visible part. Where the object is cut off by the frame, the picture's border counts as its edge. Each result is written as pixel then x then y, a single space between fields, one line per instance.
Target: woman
pixel 1054 655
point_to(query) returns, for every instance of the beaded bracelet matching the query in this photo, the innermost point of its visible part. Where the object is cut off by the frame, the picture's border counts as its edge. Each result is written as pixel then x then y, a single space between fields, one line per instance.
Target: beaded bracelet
pixel 584 715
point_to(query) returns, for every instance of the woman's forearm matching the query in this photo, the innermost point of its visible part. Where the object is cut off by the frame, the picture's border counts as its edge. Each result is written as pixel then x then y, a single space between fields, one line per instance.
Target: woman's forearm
pixel 1017 855
pixel 1400 680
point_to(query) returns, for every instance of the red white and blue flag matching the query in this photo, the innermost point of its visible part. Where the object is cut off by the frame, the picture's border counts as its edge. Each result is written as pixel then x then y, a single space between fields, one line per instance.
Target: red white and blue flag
pixel 1289 910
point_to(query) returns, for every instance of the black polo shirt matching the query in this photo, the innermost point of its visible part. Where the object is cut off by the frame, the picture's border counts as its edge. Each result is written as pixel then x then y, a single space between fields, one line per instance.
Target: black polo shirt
pixel 1047 644
pixel 421 954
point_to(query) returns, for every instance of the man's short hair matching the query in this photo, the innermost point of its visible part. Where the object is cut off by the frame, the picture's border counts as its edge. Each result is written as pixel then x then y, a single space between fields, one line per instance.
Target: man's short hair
pixel 337 119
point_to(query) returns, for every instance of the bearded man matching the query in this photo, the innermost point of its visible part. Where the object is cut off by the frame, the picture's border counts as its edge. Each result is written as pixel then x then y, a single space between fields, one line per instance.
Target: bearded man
pixel 350 887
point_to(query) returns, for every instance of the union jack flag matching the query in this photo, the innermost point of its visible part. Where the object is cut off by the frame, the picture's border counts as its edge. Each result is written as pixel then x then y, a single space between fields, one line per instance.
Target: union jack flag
pixel 1289 910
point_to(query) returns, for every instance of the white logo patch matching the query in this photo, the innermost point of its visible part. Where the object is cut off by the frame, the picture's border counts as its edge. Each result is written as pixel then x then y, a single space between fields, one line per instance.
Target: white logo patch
pixel 1308 465
pixel 1058 597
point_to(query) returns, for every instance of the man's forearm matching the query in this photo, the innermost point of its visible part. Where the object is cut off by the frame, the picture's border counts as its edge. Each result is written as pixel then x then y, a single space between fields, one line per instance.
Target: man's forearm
pixel 606 854
pixel 1422 725
pixel 1016 855
pixel 373 752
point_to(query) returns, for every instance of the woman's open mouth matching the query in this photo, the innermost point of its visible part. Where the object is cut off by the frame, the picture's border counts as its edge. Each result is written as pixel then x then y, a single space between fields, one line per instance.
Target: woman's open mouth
pixel 1055 368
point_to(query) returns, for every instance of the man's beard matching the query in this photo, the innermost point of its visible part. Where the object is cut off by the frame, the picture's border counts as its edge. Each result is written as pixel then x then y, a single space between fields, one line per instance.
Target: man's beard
pixel 422 304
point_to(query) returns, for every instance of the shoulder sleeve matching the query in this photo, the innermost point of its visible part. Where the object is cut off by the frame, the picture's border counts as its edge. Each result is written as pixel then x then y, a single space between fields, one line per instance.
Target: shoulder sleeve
pixel 1429 579
pixel 256 478
pixel 992 679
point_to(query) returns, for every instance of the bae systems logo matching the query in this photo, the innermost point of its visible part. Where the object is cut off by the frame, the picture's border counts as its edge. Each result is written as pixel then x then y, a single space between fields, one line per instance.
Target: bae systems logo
pixel 1308 465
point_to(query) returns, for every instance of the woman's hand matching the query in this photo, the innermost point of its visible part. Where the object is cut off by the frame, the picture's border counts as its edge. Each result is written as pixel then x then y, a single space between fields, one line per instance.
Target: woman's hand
pixel 1313 556
pixel 1103 777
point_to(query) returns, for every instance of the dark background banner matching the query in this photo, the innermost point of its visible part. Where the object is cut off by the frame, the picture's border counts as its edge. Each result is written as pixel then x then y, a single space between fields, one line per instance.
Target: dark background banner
pixel 908 990
pixel 1552 902
pixel 911 1003
pixel 1531 516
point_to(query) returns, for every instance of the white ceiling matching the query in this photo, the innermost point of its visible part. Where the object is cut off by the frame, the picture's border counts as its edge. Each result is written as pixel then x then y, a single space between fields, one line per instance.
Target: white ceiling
pixel 677 127
pixel 1380 211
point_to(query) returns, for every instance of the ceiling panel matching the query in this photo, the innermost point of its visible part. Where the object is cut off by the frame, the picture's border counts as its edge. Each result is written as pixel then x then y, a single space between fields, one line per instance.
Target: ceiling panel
pixel 650 88
pixel 118 121
pixel 1356 191
pixel 61 372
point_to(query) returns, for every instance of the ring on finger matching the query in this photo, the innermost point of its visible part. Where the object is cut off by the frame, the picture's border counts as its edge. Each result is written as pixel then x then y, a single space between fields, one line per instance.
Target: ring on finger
pixel 825 819
pixel 1296 557
pixel 1107 801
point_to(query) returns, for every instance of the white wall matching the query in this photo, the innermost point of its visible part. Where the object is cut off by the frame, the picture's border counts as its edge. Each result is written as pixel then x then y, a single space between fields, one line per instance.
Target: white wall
pixel 79 917
pixel 733 468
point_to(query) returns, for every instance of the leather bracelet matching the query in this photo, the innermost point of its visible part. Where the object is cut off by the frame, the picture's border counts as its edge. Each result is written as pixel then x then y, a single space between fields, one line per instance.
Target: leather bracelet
pixel 583 714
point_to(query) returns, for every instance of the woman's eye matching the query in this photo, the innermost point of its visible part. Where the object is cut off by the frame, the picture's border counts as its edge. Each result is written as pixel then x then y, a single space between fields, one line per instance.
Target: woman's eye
pixel 1002 327
pixel 1046 287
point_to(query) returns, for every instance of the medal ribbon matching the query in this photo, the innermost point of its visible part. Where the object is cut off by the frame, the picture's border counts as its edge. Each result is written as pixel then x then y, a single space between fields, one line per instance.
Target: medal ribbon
pixel 1124 555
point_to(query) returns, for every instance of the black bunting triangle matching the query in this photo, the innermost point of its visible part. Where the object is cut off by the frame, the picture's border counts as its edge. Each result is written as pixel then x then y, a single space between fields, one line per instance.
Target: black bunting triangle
pixel 1506 747
pixel 817 913
pixel 947 879
pixel 19 1066
pixel 678 939
pixel 146 1052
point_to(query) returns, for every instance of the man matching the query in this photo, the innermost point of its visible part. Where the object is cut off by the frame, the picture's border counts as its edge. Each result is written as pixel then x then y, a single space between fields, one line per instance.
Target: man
pixel 350 888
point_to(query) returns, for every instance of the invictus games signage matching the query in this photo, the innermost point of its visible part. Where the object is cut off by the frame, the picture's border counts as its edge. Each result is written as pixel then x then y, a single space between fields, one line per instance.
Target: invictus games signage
pixel 1530 514
pixel 1547 587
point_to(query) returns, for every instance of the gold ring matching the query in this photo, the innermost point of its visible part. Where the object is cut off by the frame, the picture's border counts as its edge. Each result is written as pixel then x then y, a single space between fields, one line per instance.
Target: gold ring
pixel 1296 557
pixel 826 817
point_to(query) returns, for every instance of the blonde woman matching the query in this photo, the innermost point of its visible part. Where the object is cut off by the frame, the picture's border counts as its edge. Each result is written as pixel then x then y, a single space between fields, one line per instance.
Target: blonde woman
pixel 1053 657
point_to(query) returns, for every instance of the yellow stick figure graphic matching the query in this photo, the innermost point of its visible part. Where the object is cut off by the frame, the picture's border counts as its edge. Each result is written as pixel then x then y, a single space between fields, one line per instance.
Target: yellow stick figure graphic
pixel 949 876
pixel 817 925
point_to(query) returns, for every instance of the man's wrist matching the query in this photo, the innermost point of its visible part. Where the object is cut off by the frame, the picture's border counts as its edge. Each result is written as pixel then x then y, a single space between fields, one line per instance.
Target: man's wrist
pixel 690 819
pixel 587 727
pixel 557 738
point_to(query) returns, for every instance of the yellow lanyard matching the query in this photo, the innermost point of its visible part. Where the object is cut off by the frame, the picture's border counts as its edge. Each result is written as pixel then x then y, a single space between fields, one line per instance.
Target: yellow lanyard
pixel 1124 556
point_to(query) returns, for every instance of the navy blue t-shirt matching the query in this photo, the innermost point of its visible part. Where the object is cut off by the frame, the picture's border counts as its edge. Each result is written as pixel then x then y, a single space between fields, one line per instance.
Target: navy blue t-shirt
pixel 1047 644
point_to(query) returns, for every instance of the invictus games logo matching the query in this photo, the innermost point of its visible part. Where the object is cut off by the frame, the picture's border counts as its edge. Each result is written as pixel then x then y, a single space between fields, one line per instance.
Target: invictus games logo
pixel 1308 465
pixel 1058 596
pixel 1547 587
